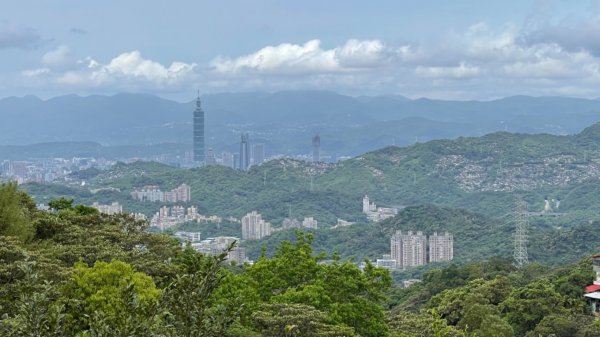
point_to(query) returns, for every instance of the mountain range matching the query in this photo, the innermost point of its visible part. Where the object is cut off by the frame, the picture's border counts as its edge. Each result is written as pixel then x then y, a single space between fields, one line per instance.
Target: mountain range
pixel 284 121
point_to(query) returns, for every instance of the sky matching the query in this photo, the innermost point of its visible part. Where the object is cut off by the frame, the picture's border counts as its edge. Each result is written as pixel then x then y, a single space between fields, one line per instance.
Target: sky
pixel 459 50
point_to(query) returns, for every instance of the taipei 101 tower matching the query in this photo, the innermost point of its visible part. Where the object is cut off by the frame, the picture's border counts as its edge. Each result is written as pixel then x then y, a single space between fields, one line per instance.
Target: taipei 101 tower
pixel 199 157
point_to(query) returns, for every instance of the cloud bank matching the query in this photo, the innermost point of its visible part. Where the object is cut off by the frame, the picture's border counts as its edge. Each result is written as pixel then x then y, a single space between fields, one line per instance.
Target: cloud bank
pixel 480 62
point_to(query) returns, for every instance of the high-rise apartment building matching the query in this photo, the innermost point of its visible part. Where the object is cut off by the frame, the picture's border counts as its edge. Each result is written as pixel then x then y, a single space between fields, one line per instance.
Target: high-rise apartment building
pixel 410 249
pixel 199 156
pixel 441 247
pixel 244 162
pixel 258 153
pixel 310 222
pixel 254 227
pixel 153 194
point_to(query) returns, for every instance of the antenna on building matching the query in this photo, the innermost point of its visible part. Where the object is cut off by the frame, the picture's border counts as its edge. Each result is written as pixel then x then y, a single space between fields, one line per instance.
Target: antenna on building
pixel 521 224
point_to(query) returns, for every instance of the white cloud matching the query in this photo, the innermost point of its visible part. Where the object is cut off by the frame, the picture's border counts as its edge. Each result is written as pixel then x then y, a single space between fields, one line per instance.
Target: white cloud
pixel 58 57
pixel 461 71
pixel 479 62
pixel 132 66
pixel 308 58
pixel 127 71
pixel 35 72
pixel 544 68
pixel 357 53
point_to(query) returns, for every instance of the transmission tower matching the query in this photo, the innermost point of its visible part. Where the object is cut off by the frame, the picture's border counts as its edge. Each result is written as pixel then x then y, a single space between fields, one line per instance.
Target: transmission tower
pixel 521 224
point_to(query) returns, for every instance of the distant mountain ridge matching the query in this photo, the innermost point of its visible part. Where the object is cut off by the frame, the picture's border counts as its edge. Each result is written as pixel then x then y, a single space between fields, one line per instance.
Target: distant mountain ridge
pixel 285 120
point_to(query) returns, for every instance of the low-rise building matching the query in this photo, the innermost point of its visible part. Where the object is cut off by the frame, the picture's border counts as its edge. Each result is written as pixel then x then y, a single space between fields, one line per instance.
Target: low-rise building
pixel 217 245
pixel 114 208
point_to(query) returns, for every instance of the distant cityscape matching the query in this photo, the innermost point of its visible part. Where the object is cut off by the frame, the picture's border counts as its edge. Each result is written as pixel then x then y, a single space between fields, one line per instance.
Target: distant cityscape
pixel 407 249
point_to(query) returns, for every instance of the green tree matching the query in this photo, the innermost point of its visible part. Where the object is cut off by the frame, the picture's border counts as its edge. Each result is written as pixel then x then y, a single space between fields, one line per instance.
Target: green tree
pixel 527 306
pixel 192 309
pixel 105 290
pixel 297 320
pixel 15 212
pixel 348 295
pixel 35 312
pixel 60 204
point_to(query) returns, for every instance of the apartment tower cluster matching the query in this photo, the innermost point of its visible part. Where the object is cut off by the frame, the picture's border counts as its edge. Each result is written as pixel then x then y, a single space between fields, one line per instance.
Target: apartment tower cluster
pixel 154 194
pixel 254 227
pixel 410 249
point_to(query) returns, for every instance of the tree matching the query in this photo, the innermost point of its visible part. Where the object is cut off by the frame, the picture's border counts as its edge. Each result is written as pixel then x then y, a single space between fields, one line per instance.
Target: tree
pixel 297 320
pixel 348 295
pixel 35 311
pixel 105 292
pixel 60 204
pixel 15 212
pixel 191 309
pixel 527 306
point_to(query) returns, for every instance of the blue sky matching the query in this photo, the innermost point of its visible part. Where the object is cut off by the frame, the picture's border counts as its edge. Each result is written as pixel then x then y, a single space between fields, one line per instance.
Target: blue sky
pixel 439 49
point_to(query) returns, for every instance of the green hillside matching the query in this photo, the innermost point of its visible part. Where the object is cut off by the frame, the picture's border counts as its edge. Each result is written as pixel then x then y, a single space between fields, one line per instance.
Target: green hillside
pixel 470 186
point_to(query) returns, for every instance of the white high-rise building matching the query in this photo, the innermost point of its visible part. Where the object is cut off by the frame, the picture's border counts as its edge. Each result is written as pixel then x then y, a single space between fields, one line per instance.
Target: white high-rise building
pixel 368 206
pixel 310 223
pixel 441 247
pixel 254 227
pixel 409 250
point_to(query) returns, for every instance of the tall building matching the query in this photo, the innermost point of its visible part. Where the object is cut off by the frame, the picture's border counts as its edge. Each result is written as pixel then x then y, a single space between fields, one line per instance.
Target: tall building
pixel 258 153
pixel 254 227
pixel 199 156
pixel 210 157
pixel 316 145
pixel 441 247
pixel 409 250
pixel 310 223
pixel 244 163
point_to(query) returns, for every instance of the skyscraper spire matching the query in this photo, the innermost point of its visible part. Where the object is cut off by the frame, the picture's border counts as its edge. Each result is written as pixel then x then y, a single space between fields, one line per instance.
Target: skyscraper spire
pixel 199 156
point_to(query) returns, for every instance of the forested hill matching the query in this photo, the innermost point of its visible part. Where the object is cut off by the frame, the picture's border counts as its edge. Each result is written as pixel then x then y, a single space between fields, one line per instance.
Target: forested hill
pixel 482 174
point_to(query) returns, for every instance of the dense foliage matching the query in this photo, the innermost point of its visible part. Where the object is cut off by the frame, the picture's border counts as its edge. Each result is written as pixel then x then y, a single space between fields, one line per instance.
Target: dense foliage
pixel 74 272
